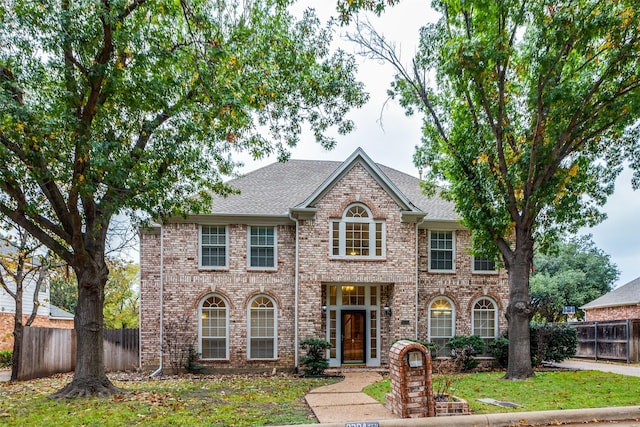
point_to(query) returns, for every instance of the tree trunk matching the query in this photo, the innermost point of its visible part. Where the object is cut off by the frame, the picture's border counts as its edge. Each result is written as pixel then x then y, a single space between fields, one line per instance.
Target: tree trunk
pixel 89 378
pixel 519 312
pixel 17 334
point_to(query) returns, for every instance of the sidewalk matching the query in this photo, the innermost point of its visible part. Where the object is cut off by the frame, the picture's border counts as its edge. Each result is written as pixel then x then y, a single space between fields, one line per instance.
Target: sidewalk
pixel 343 404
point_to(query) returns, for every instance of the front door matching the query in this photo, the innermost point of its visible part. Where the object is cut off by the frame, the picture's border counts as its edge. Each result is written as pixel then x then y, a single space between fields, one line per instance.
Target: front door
pixel 353 336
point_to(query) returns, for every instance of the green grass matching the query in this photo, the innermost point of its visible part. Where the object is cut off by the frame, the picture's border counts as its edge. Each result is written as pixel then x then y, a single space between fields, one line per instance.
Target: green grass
pixel 214 401
pixel 546 391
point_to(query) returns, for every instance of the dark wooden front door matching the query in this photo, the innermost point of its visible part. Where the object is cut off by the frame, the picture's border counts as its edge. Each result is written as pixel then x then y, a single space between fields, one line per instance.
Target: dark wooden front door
pixel 353 336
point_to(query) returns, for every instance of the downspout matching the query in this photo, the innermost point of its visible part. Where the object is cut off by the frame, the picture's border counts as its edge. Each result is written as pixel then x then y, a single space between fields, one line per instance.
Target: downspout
pixel 417 275
pixel 295 298
pixel 159 370
pixel 418 222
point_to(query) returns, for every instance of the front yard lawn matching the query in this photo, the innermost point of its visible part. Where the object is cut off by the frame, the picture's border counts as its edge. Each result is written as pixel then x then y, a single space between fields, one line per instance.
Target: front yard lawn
pixel 209 400
pixel 548 390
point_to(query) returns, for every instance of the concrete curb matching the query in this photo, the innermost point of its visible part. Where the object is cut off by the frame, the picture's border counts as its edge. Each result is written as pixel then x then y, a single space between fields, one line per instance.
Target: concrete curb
pixel 520 419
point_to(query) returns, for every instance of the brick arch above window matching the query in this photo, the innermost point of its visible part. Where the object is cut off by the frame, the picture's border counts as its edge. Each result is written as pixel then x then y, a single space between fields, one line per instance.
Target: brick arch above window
pixel 207 292
pixel 249 298
pixel 364 201
pixel 476 296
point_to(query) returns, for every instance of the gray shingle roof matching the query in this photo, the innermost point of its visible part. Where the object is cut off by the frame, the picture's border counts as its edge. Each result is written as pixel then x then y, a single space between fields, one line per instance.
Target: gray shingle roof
pixel 274 189
pixel 58 313
pixel 628 294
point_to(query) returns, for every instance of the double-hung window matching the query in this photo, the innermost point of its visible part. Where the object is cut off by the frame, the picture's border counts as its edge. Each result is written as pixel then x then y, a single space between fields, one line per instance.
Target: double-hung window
pixel 442 321
pixel 357 234
pixel 213 246
pixel 483 265
pixel 214 328
pixel 442 251
pixel 262 247
pixel 262 328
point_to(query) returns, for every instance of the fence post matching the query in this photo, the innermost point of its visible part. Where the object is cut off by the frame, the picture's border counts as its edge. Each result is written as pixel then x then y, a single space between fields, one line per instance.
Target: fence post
pixel 628 331
pixel 595 340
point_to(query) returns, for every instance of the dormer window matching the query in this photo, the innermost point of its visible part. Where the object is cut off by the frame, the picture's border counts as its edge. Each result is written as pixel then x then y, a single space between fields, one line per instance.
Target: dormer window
pixel 357 235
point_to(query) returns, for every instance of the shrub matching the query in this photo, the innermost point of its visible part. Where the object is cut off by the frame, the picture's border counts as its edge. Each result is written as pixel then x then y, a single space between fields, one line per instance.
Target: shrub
pixel 463 348
pixel 191 365
pixel 315 361
pixel 549 342
pixel 6 358
pixel 552 342
pixel 499 349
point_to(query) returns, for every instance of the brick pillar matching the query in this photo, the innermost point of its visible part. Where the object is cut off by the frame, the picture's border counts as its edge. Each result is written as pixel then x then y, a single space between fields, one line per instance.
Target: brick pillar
pixel 411 393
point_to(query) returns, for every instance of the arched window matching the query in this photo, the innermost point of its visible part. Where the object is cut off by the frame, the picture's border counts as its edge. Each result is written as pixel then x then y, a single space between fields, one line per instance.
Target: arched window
pixel 357 234
pixel 484 319
pixel 262 328
pixel 442 320
pixel 214 330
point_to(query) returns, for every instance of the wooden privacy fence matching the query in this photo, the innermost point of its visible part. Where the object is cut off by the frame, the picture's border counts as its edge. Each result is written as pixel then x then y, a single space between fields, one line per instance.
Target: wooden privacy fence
pixel 609 340
pixel 47 351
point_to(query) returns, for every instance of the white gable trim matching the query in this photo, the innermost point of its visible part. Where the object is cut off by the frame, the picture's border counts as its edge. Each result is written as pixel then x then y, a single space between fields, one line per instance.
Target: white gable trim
pixel 361 158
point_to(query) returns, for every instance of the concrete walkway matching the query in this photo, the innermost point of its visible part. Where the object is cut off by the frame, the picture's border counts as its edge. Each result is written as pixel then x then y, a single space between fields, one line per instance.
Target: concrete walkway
pixel 344 401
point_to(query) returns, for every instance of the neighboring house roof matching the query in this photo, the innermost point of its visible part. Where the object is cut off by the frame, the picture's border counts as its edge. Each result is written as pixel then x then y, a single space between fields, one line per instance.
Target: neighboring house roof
pixel 58 313
pixel 628 294
pixel 275 189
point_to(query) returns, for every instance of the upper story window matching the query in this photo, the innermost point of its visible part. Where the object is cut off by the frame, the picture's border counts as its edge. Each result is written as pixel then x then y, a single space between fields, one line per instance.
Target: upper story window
pixel 213 246
pixel 484 265
pixel 442 251
pixel 357 234
pixel 262 247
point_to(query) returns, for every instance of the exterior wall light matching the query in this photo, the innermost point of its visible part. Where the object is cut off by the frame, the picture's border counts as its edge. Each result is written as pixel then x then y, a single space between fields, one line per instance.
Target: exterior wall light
pixel 324 308
pixel 387 310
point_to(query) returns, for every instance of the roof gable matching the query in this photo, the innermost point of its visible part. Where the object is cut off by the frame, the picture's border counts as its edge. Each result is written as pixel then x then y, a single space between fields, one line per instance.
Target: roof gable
pixel 359 157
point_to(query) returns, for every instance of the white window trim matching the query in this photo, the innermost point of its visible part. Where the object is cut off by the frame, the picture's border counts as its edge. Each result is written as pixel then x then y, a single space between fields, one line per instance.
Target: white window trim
pixel 453 317
pixel 342 240
pixel 495 316
pixel 275 248
pixel 275 329
pixel 226 250
pixel 474 271
pixel 226 303
pixel 453 252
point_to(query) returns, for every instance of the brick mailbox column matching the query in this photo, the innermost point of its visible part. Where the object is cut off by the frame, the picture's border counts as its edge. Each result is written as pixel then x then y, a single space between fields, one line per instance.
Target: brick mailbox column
pixel 411 381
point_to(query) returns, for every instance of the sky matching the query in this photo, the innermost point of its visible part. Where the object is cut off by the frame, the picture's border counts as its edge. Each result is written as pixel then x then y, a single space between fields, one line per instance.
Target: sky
pixel 389 137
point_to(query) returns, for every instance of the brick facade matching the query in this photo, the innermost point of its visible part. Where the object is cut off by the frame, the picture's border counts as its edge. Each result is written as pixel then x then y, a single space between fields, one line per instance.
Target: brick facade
pixel 613 313
pixel 400 280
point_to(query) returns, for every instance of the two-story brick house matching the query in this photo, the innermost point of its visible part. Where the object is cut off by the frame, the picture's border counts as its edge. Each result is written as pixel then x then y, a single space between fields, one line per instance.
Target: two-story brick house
pixel 351 252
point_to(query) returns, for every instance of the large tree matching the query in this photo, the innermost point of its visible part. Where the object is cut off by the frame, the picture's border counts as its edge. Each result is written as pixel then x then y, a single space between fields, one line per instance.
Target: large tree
pixel 527 108
pixel 573 273
pixel 114 105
